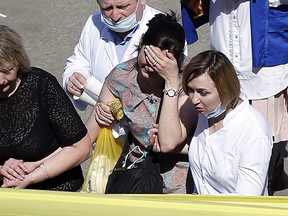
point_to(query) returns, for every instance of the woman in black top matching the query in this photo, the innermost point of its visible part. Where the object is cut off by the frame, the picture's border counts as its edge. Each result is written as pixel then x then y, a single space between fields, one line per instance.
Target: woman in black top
pixel 42 138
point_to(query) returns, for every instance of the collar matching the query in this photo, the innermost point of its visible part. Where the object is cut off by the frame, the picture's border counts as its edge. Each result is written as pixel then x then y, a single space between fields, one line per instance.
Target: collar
pixel 109 35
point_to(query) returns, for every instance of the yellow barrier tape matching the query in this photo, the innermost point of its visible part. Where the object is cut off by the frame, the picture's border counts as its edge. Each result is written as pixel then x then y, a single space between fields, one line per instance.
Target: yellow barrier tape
pixel 34 202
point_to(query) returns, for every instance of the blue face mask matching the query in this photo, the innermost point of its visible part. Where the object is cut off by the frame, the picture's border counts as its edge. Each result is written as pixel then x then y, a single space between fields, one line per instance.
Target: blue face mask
pixel 216 112
pixel 121 26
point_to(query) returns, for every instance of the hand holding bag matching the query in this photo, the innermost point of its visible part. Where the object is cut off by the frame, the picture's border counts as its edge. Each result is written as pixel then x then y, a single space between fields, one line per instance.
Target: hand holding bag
pixel 106 154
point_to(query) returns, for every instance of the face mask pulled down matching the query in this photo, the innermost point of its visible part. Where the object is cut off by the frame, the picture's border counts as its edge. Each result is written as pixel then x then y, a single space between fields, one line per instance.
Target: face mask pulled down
pixel 216 112
pixel 121 26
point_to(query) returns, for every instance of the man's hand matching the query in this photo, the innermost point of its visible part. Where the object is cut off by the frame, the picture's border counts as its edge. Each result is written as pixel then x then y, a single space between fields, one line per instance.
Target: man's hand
pixel 76 84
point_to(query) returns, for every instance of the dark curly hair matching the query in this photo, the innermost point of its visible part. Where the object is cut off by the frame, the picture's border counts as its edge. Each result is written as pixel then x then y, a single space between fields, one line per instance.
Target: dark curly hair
pixel 165 32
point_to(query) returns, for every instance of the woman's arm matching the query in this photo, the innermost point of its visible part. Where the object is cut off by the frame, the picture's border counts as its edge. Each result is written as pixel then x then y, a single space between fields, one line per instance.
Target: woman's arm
pixel 178 114
pixel 17 169
pixel 177 118
pixel 96 118
pixel 67 128
pixel 67 158
pixel 253 166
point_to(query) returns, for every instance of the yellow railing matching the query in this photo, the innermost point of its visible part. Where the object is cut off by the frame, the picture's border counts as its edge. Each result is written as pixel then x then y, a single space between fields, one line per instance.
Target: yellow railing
pixel 34 202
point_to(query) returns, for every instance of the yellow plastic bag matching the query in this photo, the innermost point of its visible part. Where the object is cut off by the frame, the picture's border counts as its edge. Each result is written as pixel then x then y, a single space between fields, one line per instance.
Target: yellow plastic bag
pixel 105 156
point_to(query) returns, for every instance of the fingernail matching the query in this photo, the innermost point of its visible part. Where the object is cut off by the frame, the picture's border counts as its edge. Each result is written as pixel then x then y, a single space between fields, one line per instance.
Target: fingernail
pixel 82 86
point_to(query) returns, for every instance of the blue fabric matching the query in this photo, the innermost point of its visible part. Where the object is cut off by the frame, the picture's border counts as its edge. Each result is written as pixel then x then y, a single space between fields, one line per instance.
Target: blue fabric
pixel 269 28
pixel 188 25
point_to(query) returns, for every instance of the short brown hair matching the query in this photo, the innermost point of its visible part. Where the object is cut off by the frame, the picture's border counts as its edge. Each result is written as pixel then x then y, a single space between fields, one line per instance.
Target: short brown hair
pixel 12 49
pixel 220 70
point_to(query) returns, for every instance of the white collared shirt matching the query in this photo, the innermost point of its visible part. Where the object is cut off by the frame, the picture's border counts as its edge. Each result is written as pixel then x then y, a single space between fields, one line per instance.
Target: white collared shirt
pixel 231 35
pixel 233 160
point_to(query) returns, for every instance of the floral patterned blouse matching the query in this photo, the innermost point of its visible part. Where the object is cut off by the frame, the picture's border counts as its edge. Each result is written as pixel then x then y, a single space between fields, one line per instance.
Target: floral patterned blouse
pixel 141 111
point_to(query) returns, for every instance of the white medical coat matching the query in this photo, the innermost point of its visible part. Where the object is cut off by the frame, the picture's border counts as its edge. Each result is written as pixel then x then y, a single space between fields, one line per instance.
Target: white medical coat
pixel 95 54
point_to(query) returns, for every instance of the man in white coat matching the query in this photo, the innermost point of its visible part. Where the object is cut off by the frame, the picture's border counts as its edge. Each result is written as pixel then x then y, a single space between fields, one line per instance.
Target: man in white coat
pixel 109 37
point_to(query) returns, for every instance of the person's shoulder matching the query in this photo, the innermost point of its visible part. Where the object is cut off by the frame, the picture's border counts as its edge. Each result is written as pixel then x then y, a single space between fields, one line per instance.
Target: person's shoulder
pixel 124 75
pixel 94 22
pixel 92 17
pixel 95 18
pixel 96 15
pixel 41 75
pixel 127 66
pixel 123 71
pixel 148 14
pixel 255 121
pixel 40 72
pixel 256 126
pixel 257 116
pixel 151 10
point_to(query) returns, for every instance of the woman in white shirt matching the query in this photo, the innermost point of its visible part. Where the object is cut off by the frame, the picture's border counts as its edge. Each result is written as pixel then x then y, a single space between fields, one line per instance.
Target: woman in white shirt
pixel 230 150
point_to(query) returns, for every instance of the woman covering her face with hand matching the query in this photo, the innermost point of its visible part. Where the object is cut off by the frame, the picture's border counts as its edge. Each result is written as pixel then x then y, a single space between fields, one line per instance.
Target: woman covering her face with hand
pixel 141 83
pixel 42 138
pixel 230 150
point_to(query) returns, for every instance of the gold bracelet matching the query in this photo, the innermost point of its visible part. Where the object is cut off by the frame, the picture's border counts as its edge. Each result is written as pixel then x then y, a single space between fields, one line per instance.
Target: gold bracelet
pixel 45 171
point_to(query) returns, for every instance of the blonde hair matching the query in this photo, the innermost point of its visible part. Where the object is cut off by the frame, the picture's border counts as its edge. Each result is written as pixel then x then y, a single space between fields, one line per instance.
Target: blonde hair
pixel 12 50
pixel 220 70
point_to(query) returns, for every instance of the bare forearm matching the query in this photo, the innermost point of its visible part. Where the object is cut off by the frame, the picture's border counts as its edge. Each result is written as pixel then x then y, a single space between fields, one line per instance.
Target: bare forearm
pixel 38 163
pixel 170 132
pixel 92 126
pixel 178 118
pixel 63 160
pixel 0 172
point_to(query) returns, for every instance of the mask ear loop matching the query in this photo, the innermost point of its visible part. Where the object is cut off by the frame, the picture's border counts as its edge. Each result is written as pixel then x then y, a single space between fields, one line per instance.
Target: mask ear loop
pixel 126 157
